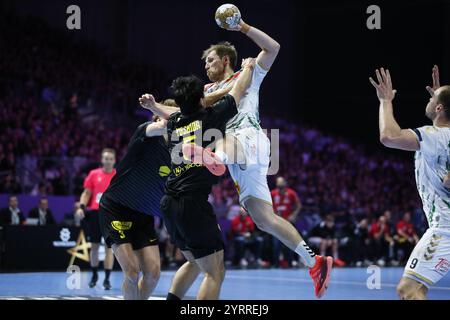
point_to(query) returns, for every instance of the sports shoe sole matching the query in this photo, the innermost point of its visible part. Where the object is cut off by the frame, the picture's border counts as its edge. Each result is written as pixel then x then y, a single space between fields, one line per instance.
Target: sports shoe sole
pixel 329 266
pixel 205 157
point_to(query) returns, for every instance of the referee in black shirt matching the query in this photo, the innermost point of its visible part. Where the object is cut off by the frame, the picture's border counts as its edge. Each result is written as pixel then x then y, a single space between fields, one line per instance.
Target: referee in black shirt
pixel 188 216
pixel 128 205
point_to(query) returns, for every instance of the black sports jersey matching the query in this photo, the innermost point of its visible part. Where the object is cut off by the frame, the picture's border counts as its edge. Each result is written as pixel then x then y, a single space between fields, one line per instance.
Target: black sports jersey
pixel 190 178
pixel 141 175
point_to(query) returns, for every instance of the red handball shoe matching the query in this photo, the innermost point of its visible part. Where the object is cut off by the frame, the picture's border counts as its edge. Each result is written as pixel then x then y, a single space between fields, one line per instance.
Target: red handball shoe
pixel 204 157
pixel 320 274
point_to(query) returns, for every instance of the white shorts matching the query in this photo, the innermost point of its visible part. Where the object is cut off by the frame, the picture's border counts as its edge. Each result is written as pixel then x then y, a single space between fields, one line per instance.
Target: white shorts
pixel 430 260
pixel 251 179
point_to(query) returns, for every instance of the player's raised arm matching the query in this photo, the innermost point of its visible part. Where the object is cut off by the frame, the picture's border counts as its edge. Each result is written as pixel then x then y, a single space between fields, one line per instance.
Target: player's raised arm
pixel 148 102
pixel 391 135
pixel 269 47
pixel 436 82
pixel 244 80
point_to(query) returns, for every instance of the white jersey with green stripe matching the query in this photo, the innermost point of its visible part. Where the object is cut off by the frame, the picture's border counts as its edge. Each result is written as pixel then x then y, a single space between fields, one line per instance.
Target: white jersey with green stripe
pixel 248 110
pixel 432 164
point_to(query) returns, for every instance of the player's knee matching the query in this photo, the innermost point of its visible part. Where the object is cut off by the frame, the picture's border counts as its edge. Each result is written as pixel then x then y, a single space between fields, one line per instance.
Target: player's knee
pixel 131 272
pixel 152 274
pixel 218 275
pixel 263 222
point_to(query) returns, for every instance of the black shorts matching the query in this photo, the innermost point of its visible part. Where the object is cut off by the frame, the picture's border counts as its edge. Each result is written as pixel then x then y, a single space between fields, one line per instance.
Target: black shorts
pixel 91 226
pixel 192 224
pixel 125 225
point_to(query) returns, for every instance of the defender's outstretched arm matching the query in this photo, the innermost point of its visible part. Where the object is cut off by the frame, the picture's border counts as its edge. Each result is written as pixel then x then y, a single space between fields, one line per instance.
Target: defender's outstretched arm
pixel 391 135
pixel 148 102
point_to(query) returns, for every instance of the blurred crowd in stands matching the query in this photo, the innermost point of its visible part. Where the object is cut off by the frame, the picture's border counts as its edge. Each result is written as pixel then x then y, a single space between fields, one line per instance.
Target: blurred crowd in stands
pixel 62 102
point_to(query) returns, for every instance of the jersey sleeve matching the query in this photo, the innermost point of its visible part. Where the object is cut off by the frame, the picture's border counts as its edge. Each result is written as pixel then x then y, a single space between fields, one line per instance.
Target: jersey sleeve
pixel 426 136
pixel 258 76
pixel 88 181
pixel 223 110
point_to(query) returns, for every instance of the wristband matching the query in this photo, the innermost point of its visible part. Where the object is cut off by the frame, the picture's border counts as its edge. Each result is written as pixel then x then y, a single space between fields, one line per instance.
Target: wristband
pixel 83 207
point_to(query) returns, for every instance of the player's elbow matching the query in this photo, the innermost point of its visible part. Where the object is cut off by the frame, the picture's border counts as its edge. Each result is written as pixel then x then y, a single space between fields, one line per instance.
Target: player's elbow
pixel 386 140
pixel 276 47
pixel 87 193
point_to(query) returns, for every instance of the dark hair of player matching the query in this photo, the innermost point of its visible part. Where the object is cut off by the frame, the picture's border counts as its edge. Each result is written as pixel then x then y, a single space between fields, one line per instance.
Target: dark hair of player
pixel 187 92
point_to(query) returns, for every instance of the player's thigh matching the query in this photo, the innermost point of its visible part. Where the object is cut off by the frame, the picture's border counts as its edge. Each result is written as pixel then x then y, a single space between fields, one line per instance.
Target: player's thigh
pixel 212 264
pixel 143 233
pixel 232 147
pixel 126 257
pixel 189 256
pixel 172 208
pixel 261 211
pixel 149 260
pixel 430 260
pixel 116 228
pixel 199 228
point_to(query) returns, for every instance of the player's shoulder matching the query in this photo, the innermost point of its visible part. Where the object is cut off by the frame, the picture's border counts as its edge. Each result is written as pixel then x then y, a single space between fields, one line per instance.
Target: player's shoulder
pixel 143 125
pixel 97 171
pixel 432 132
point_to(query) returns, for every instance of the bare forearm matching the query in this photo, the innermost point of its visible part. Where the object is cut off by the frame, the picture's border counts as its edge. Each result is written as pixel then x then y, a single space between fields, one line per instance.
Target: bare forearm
pixel 264 41
pixel 242 84
pixel 388 125
pixel 215 96
pixel 163 111
pixel 84 198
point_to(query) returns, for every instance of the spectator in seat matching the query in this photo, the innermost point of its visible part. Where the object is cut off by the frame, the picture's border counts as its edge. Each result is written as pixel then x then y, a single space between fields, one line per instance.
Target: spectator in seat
pixel 405 238
pixel 71 219
pixel 286 204
pixel 245 237
pixel 381 241
pixel 42 213
pixel 12 214
pixel 324 236
pixel 360 243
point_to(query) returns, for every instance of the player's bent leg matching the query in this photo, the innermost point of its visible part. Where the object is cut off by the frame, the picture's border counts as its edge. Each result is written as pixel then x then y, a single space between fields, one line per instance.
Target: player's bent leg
pixel 266 220
pixel 184 277
pixel 129 263
pixel 214 269
pixel 229 150
pixel 409 289
pixel 150 265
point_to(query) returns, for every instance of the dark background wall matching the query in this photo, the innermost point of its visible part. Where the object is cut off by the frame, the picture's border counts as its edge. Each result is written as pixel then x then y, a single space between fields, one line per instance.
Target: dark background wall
pixel 327 55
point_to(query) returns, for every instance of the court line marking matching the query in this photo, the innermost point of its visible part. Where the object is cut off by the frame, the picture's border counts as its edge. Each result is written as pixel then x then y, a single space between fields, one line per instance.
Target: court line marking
pixel 111 298
pixel 331 282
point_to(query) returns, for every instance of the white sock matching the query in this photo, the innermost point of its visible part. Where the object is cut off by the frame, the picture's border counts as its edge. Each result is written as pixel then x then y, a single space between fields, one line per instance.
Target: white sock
pixel 222 156
pixel 306 253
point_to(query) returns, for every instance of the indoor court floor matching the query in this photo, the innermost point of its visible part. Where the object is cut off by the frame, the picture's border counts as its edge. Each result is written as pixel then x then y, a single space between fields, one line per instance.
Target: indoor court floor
pixel 259 284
